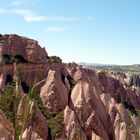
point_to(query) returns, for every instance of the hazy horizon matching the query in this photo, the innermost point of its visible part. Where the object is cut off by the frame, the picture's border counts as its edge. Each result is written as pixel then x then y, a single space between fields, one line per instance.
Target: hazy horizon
pixel 91 31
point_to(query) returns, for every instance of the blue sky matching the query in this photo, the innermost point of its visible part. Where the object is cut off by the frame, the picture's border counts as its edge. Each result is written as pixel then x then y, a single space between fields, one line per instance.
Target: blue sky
pixel 94 31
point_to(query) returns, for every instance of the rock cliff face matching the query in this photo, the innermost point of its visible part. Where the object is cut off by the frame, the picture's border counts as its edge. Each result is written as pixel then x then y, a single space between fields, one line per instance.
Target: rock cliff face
pixel 14 45
pixel 67 101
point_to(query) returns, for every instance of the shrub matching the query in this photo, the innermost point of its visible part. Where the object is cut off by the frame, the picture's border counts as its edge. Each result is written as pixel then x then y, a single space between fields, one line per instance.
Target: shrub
pixel 9 59
pixel 20 59
pixel 55 120
pixel 9 102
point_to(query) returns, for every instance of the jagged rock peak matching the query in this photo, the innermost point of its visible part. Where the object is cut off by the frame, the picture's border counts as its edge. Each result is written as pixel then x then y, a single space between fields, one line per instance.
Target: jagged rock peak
pixel 134 80
pixel 21 48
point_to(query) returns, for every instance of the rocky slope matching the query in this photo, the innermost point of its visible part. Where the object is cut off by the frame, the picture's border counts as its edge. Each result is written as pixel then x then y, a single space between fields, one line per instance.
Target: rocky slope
pixel 48 100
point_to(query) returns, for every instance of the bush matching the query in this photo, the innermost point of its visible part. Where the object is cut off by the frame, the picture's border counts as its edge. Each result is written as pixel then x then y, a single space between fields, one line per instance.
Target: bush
pixel 53 59
pixel 19 59
pixel 55 120
pixel 9 102
pixel 8 59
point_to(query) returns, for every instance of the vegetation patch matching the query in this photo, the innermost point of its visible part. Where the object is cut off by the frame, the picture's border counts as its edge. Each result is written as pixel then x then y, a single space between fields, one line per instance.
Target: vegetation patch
pixel 9 102
pixel 55 120
pixel 130 107
pixel 9 59
pixel 131 69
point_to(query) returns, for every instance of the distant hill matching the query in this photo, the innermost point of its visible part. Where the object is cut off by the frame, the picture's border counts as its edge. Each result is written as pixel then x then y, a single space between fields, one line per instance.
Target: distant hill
pixel 132 69
pixel 95 64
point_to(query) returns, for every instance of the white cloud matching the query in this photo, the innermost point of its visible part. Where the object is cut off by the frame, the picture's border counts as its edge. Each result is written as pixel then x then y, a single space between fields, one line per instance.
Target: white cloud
pixel 16 3
pixel 55 29
pixel 30 16
pixel 61 18
pixel 34 18
pixel 22 12
pixel 3 11
pixel 20 2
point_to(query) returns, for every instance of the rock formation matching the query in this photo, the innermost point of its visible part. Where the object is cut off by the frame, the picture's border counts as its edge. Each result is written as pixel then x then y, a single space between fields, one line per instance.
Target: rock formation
pixel 36 124
pixel 22 47
pixel 134 80
pixel 64 101
pixel 103 105
pixel 6 129
pixel 54 93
